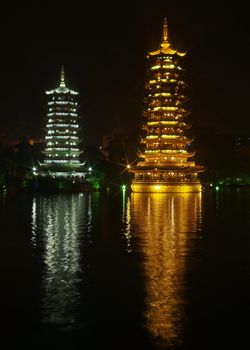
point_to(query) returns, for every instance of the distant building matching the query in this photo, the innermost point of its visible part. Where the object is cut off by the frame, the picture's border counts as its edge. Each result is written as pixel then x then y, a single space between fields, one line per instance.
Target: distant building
pixel 108 139
pixel 242 147
pixel 62 134
pixel 242 150
pixel 166 164
pixel 35 141
pixel 8 142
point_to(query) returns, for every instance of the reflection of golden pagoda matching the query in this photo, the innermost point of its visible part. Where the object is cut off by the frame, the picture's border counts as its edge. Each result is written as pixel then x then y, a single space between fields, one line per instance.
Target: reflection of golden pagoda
pixel 166 226
pixel 166 164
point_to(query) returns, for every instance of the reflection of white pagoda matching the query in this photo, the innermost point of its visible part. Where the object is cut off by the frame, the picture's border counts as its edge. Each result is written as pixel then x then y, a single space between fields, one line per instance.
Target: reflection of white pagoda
pixel 62 134
pixel 58 223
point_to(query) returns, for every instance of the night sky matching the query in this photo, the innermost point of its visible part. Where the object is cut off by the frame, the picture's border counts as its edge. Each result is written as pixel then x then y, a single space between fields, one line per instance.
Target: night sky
pixel 103 47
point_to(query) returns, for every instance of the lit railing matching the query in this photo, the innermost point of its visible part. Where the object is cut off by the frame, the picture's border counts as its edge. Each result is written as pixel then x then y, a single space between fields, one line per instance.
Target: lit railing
pixel 168 179
pixel 170 162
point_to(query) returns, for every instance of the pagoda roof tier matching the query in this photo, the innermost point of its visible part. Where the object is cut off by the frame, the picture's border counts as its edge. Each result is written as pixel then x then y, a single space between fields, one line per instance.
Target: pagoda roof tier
pixel 156 81
pixel 166 100
pixel 166 49
pixel 64 174
pixel 169 138
pixel 62 104
pixel 174 125
pixel 62 89
pixel 184 125
pixel 167 94
pixel 161 66
pixel 163 164
pixel 187 169
pixel 181 112
pixel 69 150
pixel 162 122
pixel 162 101
pixel 172 153
pixel 67 164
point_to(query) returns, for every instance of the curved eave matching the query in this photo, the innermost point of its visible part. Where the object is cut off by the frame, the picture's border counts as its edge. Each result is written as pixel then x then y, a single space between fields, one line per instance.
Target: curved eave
pixel 62 164
pixel 200 168
pixel 61 90
pixel 171 140
pixel 183 169
pixel 165 153
pixel 167 51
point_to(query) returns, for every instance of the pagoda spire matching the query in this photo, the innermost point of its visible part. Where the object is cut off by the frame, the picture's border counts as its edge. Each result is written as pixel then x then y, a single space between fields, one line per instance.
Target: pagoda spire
pixel 165 30
pixel 62 82
pixel 165 46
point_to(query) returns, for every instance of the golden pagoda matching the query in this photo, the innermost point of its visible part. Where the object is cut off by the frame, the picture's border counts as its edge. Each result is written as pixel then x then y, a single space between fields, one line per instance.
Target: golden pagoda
pixel 166 164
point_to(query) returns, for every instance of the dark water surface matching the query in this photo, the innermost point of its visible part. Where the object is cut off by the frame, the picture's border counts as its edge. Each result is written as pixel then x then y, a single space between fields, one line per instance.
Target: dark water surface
pixel 139 271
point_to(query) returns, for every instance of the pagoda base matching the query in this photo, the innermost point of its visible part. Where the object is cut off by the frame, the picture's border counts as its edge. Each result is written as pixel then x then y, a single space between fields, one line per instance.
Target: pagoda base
pixel 63 174
pixel 166 187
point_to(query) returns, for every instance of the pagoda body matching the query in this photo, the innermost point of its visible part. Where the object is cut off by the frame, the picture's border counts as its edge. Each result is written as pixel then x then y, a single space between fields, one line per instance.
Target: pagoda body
pixel 62 134
pixel 166 164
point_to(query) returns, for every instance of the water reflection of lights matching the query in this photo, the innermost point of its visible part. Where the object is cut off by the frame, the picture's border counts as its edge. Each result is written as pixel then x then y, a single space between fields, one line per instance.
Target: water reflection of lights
pixel 58 223
pixel 126 220
pixel 167 226
pixel 34 222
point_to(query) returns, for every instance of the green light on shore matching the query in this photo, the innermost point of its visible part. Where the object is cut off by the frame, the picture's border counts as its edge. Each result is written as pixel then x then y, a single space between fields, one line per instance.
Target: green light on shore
pixel 96 185
pixel 217 188
pixel 124 187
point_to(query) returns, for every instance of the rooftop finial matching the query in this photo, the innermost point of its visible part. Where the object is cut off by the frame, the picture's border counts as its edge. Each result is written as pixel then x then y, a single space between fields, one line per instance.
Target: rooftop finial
pixel 165 30
pixel 62 82
pixel 165 46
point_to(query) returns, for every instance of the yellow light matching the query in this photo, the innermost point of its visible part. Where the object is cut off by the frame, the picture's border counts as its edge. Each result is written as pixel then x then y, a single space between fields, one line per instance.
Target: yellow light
pixel 162 94
pixel 169 136
pixel 164 243
pixel 165 108
pixel 171 122
pixel 166 188
pixel 155 67
pixel 174 151
pixel 151 137
pixel 171 66
pixel 157 187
